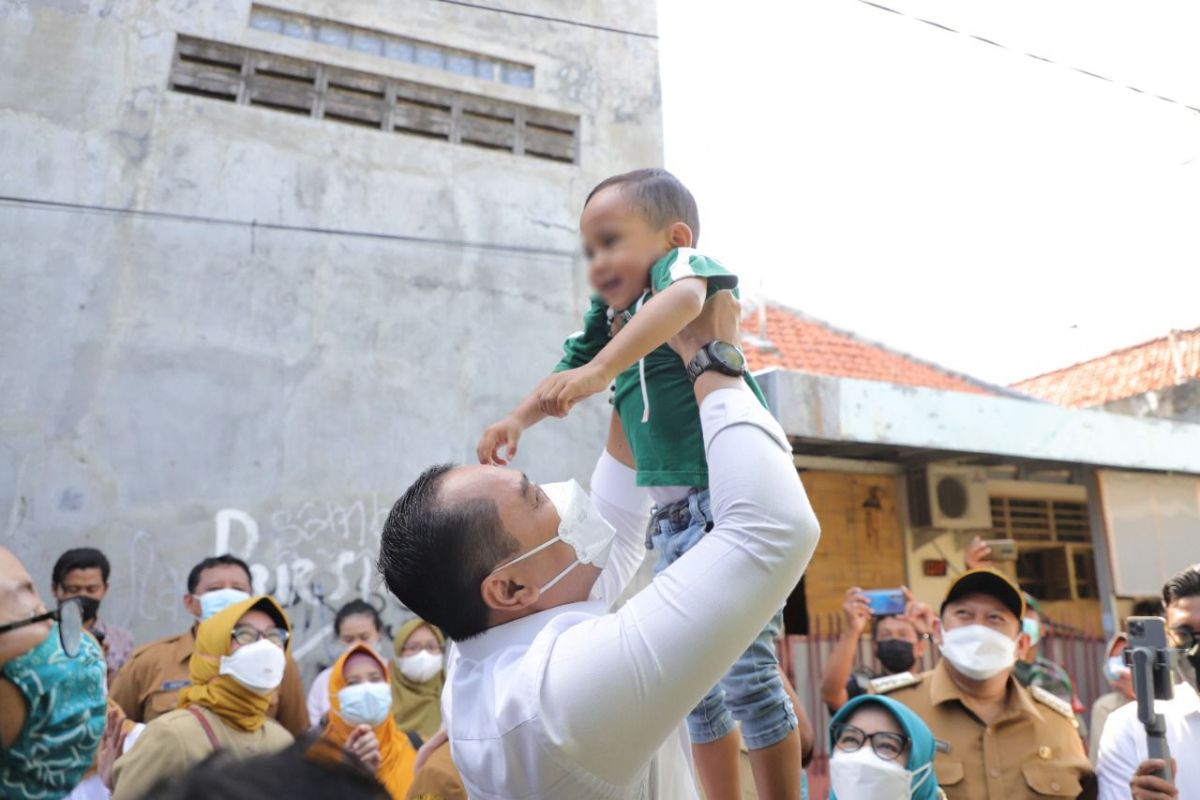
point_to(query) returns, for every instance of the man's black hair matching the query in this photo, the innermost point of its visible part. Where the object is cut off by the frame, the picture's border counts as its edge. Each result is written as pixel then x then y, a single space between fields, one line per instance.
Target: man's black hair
pixel 354 608
pixel 875 621
pixel 1185 584
pixel 79 558
pixel 1149 607
pixel 434 556
pixel 659 196
pixel 310 769
pixel 216 561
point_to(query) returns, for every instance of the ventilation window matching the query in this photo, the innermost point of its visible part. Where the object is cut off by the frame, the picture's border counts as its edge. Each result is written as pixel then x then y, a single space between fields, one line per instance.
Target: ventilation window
pixel 1054 545
pixel 386 45
pixel 295 86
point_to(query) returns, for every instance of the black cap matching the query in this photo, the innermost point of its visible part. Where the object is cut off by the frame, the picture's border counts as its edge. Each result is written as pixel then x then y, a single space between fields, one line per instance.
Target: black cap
pixel 989 582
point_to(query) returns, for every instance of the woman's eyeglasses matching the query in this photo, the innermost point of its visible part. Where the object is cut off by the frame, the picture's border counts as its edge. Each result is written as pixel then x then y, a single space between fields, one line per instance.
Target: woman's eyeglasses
pixel 245 635
pixel 68 615
pixel 887 745
pixel 413 649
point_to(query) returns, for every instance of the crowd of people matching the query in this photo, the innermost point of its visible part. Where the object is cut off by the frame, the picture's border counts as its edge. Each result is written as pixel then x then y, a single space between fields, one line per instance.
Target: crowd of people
pixel 542 663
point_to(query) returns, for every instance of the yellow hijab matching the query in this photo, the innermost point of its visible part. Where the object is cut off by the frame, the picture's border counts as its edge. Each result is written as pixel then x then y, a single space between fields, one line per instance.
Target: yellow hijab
pixel 221 694
pixel 396 752
pixel 416 706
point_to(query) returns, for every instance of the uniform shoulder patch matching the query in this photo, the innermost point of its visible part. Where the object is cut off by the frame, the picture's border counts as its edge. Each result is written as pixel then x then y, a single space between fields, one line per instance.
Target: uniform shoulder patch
pixel 890 683
pixel 1058 704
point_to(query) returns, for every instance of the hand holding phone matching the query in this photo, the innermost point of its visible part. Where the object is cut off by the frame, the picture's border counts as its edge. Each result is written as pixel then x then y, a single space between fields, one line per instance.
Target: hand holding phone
pixel 886 602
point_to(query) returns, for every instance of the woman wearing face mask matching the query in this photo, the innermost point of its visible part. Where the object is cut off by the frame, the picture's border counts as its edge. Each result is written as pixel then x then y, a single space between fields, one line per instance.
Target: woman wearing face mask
pixel 237 665
pixel 357 622
pixel 1120 681
pixel 360 719
pixel 880 750
pixel 418 678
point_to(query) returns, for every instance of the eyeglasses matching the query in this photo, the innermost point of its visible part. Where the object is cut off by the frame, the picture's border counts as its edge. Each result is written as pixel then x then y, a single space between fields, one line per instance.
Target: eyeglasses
pixel 413 649
pixel 245 635
pixel 68 615
pixel 887 745
pixel 1187 637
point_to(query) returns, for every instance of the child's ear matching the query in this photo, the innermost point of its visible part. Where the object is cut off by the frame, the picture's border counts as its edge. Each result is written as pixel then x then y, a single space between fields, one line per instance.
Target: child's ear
pixel 679 234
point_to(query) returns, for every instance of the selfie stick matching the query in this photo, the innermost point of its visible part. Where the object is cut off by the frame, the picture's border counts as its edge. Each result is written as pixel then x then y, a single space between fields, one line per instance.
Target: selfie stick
pixel 1145 663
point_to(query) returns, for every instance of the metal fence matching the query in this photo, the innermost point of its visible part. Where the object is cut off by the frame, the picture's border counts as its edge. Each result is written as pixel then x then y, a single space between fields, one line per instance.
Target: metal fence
pixel 1077 649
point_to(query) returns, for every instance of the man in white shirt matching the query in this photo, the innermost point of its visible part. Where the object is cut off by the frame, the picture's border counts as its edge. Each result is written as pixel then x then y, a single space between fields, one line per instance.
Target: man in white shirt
pixel 551 694
pixel 1124 768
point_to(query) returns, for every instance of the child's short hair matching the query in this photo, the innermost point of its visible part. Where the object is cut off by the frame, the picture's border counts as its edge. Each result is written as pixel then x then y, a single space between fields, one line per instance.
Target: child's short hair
pixel 659 196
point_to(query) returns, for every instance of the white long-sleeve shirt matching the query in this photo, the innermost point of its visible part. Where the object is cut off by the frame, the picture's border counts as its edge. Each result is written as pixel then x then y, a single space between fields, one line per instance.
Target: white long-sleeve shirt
pixel 579 702
pixel 1123 745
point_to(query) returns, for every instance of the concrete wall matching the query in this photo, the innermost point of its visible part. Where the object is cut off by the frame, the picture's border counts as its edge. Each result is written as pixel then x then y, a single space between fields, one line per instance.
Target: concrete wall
pixel 170 388
pixel 1180 403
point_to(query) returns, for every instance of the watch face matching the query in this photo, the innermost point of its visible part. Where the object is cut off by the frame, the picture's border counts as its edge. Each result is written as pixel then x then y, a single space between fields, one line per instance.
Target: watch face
pixel 729 355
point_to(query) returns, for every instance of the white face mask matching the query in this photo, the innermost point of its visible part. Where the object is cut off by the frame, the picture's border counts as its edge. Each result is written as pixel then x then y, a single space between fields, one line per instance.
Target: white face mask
pixel 420 667
pixel 579 525
pixel 365 703
pixel 862 775
pixel 978 651
pixel 218 600
pixel 258 667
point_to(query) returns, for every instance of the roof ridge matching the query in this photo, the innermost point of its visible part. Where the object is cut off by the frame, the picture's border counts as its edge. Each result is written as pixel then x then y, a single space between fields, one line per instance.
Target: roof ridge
pixel 1110 354
pixel 962 376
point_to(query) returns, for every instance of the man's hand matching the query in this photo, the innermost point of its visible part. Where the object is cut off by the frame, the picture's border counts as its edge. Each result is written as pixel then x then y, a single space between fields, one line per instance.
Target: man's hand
pixel 918 613
pixel 362 744
pixel 434 742
pixel 1148 786
pixel 561 391
pixel 720 319
pixel 857 610
pixel 112 744
pixel 978 551
pixel 503 434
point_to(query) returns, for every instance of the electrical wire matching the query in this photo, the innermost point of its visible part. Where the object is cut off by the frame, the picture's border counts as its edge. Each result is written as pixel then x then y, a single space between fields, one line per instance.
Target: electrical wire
pixel 255 225
pixel 1034 56
pixel 544 18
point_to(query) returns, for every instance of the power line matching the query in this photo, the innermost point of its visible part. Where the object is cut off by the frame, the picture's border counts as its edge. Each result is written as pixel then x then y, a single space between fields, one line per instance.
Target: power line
pixel 1034 56
pixel 254 225
pixel 545 18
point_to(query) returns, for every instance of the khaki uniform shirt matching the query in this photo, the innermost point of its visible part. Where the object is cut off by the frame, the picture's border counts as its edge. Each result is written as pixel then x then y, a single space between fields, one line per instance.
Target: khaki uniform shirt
pixel 176 742
pixel 437 779
pixel 148 685
pixel 1032 750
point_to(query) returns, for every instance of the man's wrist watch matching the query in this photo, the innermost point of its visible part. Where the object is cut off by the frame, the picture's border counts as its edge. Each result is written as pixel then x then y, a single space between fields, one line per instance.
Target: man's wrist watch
pixel 717 355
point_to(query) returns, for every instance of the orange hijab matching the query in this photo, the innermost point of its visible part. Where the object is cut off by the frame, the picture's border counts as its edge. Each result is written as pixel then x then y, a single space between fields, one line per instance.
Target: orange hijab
pixel 233 703
pixel 397 755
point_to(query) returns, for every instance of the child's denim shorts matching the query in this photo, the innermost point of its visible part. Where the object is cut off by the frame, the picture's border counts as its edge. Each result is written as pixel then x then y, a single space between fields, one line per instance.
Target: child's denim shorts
pixel 752 691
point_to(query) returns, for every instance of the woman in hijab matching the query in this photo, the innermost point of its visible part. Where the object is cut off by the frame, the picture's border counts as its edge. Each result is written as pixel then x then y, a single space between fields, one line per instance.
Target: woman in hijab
pixel 880 751
pixel 360 719
pixel 237 665
pixel 418 678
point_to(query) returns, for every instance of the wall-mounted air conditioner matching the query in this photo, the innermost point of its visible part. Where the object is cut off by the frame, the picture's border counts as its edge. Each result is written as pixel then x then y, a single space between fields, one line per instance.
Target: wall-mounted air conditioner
pixel 949 498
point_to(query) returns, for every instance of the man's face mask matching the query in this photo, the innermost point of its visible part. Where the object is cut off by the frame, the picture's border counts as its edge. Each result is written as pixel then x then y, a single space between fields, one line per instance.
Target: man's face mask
pixel 218 600
pixel 977 651
pixel 1033 628
pixel 896 655
pixel 579 525
pixel 90 607
pixel 1188 662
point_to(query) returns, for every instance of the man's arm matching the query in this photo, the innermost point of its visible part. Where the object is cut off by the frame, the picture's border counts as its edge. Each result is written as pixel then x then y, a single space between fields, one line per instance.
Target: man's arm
pixel 1118 758
pixel 655 658
pixel 660 319
pixel 841 659
pixel 125 690
pixel 626 507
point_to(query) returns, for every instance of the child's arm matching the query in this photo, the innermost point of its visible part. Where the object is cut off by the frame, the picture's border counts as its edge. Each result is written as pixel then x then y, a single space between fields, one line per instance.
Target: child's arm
pixel 666 315
pixel 507 432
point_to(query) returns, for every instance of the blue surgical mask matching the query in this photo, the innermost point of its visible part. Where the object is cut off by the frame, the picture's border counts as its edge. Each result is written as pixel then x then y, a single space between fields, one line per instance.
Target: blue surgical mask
pixel 366 703
pixel 1033 628
pixel 66 700
pixel 218 600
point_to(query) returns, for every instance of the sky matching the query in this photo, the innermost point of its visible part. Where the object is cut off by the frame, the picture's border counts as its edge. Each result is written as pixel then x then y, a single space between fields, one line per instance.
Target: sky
pixel 993 213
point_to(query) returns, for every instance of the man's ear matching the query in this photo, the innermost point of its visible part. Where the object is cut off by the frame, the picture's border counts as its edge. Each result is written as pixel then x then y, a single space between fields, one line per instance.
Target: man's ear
pixel 1023 644
pixel 501 593
pixel 192 604
pixel 938 632
pixel 679 234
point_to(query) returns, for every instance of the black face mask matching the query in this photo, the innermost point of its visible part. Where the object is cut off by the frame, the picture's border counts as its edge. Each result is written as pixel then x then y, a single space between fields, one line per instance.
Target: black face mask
pixel 90 607
pixel 1187 663
pixel 896 655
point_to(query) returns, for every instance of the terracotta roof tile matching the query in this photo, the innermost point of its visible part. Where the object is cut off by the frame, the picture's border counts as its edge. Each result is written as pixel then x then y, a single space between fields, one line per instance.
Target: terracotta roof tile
pixel 1156 364
pixel 797 342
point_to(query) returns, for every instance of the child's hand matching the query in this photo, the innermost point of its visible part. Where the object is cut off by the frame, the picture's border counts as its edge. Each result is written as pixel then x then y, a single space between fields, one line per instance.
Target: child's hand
pixel 563 390
pixel 504 433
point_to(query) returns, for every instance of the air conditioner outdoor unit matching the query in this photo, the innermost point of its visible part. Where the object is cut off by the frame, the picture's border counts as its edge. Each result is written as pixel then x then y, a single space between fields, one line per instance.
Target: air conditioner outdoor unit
pixel 949 497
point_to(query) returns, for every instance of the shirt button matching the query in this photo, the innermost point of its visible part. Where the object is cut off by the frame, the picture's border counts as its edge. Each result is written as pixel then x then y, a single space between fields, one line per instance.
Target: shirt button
pixel 1044 752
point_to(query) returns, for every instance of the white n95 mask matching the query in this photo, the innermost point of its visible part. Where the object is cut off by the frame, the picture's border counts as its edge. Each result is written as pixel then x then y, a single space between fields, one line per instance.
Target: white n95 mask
pixel 259 666
pixel 978 651
pixel 420 667
pixel 862 775
pixel 579 525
